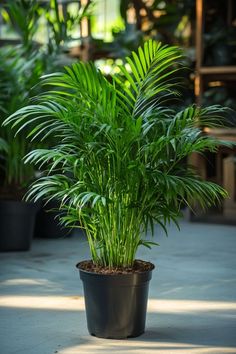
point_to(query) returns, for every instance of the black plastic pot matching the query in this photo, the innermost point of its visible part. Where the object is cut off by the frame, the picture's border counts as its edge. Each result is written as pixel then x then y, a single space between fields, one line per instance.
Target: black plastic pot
pixel 116 305
pixel 16 225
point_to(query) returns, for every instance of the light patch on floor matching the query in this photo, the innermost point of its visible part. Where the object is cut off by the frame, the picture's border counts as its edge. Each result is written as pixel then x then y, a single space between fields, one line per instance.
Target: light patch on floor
pixel 25 281
pixel 186 306
pixel 59 303
pixel 140 347
pixel 72 303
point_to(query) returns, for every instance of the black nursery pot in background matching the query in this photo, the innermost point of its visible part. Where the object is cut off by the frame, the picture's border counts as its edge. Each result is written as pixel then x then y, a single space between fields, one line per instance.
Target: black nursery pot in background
pixel 116 304
pixel 16 225
pixel 47 222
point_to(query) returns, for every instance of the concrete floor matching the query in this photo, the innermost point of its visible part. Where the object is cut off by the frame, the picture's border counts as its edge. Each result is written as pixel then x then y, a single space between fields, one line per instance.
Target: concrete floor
pixel 192 302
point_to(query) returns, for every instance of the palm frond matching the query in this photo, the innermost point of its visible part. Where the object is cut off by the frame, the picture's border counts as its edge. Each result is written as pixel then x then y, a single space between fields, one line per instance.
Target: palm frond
pixel 151 76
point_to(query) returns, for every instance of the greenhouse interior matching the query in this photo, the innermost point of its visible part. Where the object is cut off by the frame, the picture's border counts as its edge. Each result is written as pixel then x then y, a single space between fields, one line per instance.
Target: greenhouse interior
pixel 118 129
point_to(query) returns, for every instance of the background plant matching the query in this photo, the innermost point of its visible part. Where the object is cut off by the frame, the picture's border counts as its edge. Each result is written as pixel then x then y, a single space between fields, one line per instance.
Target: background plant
pixel 61 24
pixel 21 68
pixel 17 76
pixel 23 15
pixel 118 164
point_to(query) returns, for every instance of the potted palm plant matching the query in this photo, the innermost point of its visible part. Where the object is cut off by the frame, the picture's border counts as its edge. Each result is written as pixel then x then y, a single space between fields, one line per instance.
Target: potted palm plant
pixel 117 169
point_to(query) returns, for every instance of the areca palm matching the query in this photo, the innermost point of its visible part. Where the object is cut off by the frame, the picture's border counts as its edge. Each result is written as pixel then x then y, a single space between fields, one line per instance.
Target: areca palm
pixel 118 164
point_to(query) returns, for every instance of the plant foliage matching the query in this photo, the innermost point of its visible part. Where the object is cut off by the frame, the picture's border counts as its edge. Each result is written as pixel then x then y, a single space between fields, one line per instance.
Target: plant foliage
pixel 21 68
pixel 24 16
pixel 119 164
pixel 17 76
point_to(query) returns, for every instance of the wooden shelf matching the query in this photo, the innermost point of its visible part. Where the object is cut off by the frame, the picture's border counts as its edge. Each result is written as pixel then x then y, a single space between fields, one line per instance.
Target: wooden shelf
pixel 221 166
pixel 209 70
pixel 228 134
pixel 203 74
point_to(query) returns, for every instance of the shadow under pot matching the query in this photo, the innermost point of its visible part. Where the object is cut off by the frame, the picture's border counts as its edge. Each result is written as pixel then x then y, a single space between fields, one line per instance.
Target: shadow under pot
pixel 17 220
pixel 116 304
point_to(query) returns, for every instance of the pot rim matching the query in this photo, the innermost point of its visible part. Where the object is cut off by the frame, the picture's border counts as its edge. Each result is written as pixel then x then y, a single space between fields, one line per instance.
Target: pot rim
pixel 115 274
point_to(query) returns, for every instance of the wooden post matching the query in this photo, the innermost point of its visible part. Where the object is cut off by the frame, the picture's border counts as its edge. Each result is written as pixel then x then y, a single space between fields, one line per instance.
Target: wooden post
pixel 85 32
pixel 199 50
pixel 229 183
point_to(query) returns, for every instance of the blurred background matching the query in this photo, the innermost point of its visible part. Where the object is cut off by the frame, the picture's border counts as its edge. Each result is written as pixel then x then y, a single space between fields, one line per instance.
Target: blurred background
pixel 41 36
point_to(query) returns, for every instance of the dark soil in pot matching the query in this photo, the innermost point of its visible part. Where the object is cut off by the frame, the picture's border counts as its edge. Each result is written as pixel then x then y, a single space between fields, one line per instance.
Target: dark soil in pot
pixel 116 300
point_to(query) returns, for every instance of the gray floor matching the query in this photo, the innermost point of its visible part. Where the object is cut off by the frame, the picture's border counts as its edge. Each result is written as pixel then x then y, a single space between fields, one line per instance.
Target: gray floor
pixel 192 302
